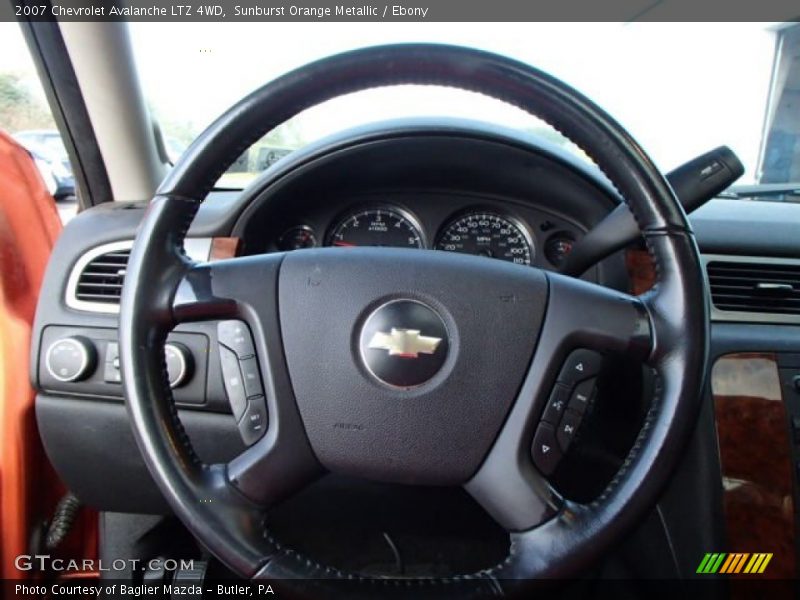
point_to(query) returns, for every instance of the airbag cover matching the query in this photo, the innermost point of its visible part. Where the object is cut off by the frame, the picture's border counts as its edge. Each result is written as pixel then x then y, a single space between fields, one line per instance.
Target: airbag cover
pixel 434 432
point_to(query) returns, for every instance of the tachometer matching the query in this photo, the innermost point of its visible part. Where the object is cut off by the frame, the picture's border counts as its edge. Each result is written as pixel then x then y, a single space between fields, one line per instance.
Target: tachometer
pixel 377 227
pixel 488 234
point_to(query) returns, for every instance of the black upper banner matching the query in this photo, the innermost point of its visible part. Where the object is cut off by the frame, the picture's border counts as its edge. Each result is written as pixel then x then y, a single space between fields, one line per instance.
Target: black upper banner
pixel 401 10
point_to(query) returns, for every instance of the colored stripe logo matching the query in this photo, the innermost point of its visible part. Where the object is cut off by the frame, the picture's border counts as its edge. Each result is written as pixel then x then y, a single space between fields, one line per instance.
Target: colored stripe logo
pixel 737 562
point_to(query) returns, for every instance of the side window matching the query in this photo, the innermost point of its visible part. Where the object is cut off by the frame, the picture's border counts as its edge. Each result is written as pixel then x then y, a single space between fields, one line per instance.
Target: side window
pixel 26 116
pixel 780 158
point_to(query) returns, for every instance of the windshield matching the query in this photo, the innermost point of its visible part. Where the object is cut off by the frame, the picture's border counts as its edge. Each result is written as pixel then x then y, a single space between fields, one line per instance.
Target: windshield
pixel 680 88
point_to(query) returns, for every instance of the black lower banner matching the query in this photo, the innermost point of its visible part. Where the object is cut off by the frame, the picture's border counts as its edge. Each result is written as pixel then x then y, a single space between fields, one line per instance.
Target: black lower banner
pixel 619 589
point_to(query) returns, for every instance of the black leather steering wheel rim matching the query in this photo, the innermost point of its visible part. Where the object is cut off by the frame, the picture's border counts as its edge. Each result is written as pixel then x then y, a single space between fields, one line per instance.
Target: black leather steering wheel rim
pixel 675 313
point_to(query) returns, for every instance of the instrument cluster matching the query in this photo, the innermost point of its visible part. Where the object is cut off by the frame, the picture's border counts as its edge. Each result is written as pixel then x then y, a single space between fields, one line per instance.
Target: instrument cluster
pixel 477 230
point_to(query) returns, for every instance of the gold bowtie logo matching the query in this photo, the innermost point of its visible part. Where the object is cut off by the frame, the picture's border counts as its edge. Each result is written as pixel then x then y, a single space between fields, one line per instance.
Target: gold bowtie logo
pixel 404 343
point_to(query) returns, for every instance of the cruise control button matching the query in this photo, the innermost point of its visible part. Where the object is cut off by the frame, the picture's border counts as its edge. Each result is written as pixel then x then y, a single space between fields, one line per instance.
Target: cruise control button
pixel 556 405
pixel 580 365
pixel 567 429
pixel 545 450
pixel 254 421
pixel 581 395
pixel 236 336
pixel 232 379
pixel 251 376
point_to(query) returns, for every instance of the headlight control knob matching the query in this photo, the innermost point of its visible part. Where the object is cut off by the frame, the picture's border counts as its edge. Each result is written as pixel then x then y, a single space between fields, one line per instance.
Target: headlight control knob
pixel 71 358
pixel 179 364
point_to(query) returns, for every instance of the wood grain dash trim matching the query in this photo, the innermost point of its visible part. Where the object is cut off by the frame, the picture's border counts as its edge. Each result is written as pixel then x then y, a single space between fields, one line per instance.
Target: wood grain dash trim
pixel 224 247
pixel 755 456
pixel 641 270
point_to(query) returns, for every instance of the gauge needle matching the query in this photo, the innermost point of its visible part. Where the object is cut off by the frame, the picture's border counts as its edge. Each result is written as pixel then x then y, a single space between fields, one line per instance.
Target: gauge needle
pixel 344 244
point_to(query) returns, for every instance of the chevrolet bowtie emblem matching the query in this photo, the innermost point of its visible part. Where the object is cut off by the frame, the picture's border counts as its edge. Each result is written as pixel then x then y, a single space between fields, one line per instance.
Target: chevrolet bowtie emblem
pixel 404 343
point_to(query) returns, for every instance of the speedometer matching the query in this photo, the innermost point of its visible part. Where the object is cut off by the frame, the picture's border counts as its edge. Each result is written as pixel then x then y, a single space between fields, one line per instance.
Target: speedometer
pixel 377 227
pixel 488 234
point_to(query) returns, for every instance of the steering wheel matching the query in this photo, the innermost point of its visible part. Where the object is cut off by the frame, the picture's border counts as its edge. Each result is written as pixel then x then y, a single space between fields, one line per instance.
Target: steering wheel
pixel 410 366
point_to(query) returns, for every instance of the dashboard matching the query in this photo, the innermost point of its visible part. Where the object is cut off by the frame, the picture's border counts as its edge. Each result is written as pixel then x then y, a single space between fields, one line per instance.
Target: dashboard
pixel 443 186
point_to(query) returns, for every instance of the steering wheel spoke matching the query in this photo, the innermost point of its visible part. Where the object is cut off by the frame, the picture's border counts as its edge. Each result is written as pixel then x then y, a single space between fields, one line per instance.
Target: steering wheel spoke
pixel 512 484
pixel 581 314
pixel 273 469
pixel 279 462
pixel 217 290
pixel 511 490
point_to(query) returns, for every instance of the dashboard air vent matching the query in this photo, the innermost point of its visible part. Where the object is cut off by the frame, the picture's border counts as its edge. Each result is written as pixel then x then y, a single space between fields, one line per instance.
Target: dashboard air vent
pixel 102 277
pixel 752 287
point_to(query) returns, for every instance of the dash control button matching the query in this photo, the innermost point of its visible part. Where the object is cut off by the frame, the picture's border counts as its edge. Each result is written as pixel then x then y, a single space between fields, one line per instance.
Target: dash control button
pixel 71 359
pixel 545 451
pixel 232 379
pixel 567 429
pixel 179 364
pixel 580 365
pixel 111 370
pixel 236 336
pixel 581 395
pixel 556 405
pixel 251 377
pixel 253 424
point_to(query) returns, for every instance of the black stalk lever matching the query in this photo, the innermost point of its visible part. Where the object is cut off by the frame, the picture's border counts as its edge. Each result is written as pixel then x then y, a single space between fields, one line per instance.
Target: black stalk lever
pixel 694 182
